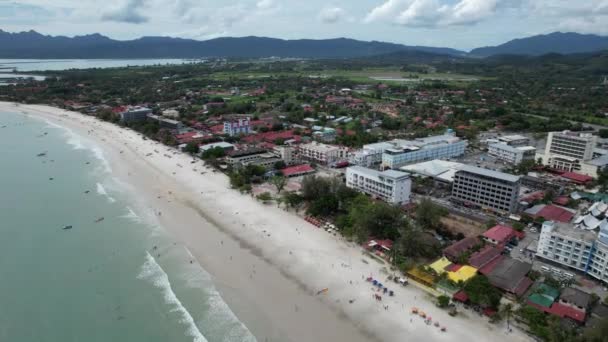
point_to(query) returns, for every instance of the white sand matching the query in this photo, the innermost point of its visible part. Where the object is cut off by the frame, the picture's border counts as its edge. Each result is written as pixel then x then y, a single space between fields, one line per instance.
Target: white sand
pixel 268 263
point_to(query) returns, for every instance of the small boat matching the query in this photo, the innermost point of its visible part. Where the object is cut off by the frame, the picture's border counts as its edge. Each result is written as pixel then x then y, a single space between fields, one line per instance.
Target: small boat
pixel 99 220
pixel 86 192
pixel 42 154
pixel 67 227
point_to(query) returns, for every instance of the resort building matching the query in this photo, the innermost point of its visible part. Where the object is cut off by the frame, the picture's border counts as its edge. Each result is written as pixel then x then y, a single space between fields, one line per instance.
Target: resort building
pixel 237 127
pixel 391 186
pixel 135 113
pixel 322 153
pixel 286 153
pixel 239 158
pixel 492 190
pixel 581 244
pixel 514 140
pixel 510 154
pixel 370 154
pixel 405 152
pixel 165 122
pixel 572 152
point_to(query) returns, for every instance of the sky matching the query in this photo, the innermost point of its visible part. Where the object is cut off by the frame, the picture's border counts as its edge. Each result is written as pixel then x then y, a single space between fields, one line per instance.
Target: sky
pixel 461 24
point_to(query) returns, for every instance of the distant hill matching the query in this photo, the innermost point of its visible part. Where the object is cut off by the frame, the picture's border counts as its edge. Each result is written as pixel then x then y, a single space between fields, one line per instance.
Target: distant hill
pixel 557 42
pixel 32 44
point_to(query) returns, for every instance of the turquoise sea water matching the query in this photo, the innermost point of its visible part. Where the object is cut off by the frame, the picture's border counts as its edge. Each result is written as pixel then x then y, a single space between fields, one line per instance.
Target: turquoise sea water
pixel 99 281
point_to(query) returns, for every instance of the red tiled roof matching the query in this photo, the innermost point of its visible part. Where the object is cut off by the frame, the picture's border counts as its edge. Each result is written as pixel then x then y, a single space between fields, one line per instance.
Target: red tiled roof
pixel 555 213
pixel 461 296
pixel 562 200
pixel 490 266
pixel 293 170
pixel 452 268
pixel 499 233
pixel 484 256
pixel 271 136
pixel 523 285
pixel 577 177
pixel 562 310
pixel 538 195
pixel 457 248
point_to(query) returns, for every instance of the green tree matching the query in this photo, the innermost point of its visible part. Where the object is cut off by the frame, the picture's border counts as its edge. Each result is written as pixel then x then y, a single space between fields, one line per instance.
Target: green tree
pixel 264 197
pixel 279 182
pixel 481 292
pixel 429 214
pixel 191 148
pixel 443 301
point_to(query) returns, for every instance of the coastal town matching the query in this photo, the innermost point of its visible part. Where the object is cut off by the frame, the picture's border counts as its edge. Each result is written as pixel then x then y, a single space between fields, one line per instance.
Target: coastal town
pixel 486 209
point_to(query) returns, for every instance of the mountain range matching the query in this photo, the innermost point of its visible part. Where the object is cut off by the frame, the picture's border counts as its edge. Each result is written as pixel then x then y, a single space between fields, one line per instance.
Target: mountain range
pixel 32 44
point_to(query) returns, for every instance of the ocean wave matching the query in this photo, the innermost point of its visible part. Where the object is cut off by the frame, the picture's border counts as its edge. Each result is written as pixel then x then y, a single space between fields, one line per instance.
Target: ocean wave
pixel 220 315
pixel 102 191
pixel 152 272
pixel 79 143
pixel 132 216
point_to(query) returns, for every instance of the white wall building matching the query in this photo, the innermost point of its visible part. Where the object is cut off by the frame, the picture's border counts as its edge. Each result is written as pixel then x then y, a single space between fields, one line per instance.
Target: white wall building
pixel 370 154
pixel 286 153
pixel 391 186
pixel 135 113
pixel 575 247
pixel 514 140
pixel 322 153
pixel 237 127
pixel 511 154
pixel 570 151
pixel 412 151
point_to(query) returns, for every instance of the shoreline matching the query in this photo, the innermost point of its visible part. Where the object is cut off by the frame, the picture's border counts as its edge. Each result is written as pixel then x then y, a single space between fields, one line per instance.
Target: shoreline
pixel 267 263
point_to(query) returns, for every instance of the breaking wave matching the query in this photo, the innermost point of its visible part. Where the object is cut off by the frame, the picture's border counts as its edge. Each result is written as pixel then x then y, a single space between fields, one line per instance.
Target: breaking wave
pixel 151 271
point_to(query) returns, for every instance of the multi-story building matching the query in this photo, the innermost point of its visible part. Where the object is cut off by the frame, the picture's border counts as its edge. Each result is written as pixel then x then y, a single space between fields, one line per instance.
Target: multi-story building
pixel 390 186
pixel 370 154
pixel 286 153
pixel 237 127
pixel 135 113
pixel 511 154
pixel 165 122
pixel 324 134
pixel 514 140
pixel 575 247
pixel 322 153
pixel 492 190
pixel 570 151
pixel 412 151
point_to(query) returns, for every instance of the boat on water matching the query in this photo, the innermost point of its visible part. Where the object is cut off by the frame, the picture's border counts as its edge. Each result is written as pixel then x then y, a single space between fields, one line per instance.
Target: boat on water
pixel 41 154
pixel 67 227
pixel 99 220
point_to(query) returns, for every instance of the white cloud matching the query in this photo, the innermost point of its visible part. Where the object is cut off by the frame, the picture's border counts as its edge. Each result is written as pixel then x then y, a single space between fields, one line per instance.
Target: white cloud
pixel 265 4
pixel 330 15
pixel 433 13
pixel 128 12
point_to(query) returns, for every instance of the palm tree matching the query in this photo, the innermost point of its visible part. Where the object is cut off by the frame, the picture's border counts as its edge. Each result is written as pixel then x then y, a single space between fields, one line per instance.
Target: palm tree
pixel 507 310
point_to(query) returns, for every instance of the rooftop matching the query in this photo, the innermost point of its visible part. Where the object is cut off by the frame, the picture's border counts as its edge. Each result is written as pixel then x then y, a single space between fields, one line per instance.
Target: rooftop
pixel 377 174
pixel 509 273
pixel 576 297
pixel 490 173
pixel 566 229
pixel 551 212
pixel 499 233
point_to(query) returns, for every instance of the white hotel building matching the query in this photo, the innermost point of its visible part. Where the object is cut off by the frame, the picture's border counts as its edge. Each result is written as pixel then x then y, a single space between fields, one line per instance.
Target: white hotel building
pixel 391 186
pixel 570 151
pixel 511 154
pixel 576 246
pixel 321 153
pixel 412 151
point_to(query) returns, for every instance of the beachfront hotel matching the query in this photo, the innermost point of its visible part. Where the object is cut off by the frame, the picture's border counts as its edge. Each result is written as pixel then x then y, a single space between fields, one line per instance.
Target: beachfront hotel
pixel 237 127
pixel 321 153
pixel 405 152
pixel 581 244
pixel 391 186
pixel 492 190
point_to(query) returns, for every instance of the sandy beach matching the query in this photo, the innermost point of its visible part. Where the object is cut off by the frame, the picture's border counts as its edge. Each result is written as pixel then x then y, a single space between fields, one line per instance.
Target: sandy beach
pixel 267 263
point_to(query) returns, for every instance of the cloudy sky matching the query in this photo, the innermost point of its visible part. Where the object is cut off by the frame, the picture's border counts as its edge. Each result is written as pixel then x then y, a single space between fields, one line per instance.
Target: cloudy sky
pixel 462 24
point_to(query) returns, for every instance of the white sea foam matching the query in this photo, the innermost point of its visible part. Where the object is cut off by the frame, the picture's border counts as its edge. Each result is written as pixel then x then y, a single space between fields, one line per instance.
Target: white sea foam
pixel 102 191
pixel 132 216
pixel 219 312
pixel 151 271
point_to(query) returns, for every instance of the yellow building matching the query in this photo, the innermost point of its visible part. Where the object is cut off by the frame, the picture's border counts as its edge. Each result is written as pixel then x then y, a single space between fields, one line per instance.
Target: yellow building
pixel 455 272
